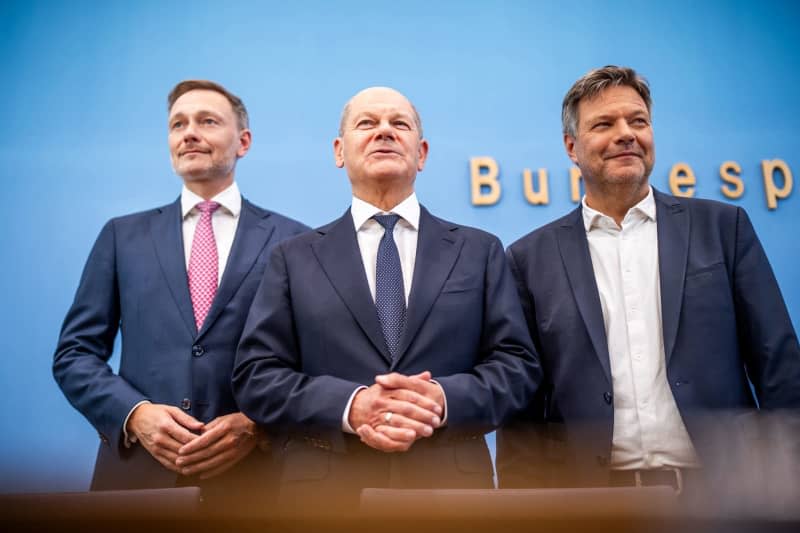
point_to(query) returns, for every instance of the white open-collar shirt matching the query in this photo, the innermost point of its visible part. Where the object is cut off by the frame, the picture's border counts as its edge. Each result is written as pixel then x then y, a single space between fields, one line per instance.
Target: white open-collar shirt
pixel 649 432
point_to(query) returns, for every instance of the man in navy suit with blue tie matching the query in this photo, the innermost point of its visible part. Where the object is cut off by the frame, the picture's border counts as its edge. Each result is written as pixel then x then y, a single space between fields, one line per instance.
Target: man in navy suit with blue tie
pixel 652 315
pixel 177 281
pixel 381 347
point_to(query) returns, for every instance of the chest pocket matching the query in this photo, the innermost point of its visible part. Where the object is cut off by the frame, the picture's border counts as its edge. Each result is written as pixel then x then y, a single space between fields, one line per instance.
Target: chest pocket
pixel 462 284
pixel 706 276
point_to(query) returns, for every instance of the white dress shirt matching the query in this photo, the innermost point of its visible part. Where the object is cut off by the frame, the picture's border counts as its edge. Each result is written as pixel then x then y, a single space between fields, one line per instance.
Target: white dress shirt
pixel 648 429
pixel 224 222
pixel 369 234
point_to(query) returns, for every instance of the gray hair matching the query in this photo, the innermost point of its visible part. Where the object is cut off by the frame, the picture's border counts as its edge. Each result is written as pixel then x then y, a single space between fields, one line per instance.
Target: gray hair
pixel 593 83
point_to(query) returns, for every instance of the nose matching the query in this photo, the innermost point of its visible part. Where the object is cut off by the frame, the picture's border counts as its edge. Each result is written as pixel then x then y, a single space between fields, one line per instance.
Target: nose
pixel 385 130
pixel 623 132
pixel 190 132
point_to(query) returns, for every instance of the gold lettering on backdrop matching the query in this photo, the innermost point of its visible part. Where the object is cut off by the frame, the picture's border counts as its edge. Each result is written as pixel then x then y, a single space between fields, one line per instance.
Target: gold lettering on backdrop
pixel 484 172
pixel 534 197
pixel 487 189
pixel 575 184
pixel 772 192
pixel 729 172
pixel 680 176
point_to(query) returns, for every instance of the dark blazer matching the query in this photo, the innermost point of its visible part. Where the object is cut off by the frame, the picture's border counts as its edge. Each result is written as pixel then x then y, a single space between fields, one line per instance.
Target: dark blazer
pixel 135 282
pixel 723 320
pixel 313 336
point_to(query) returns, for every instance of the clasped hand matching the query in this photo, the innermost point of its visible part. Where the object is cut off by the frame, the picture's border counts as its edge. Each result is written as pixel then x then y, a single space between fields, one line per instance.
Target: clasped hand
pixel 187 446
pixel 416 405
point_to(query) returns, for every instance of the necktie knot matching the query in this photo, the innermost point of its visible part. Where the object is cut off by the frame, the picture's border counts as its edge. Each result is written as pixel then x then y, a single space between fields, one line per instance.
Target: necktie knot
pixel 207 207
pixel 387 221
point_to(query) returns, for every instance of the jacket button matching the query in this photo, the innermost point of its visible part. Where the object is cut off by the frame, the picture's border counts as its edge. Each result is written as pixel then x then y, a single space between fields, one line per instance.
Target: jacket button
pixel 608 397
pixel 198 350
pixel 186 404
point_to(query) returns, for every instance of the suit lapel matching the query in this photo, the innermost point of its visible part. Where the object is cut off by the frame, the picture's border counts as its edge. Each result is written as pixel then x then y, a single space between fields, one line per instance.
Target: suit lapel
pixel 673 248
pixel 577 260
pixel 438 246
pixel 165 230
pixel 252 234
pixel 339 256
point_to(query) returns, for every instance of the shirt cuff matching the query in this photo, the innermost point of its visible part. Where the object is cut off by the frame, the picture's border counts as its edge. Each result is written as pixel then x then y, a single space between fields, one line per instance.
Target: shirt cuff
pixel 346 415
pixel 444 411
pixel 130 439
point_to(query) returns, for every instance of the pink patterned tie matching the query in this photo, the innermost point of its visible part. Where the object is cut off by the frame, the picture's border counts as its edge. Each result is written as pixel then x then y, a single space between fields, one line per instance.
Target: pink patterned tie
pixel 203 268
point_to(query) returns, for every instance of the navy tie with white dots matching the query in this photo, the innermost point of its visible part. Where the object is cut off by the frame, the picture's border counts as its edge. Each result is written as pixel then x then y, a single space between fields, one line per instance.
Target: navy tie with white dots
pixel 390 296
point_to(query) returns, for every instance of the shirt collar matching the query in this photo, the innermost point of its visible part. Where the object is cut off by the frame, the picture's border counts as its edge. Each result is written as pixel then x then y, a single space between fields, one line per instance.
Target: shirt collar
pixel 408 210
pixel 230 199
pixel 646 207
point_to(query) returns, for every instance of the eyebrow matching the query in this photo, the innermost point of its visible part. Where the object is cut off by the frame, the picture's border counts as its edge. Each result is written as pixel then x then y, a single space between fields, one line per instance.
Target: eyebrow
pixel 374 116
pixel 199 112
pixel 609 116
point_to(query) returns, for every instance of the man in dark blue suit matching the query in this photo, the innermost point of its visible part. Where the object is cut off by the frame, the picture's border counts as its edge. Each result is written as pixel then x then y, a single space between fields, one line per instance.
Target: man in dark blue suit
pixel 177 281
pixel 388 330
pixel 652 315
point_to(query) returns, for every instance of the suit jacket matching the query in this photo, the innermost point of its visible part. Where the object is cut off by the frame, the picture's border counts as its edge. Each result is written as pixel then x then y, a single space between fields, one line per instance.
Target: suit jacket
pixel 313 336
pixel 724 321
pixel 135 281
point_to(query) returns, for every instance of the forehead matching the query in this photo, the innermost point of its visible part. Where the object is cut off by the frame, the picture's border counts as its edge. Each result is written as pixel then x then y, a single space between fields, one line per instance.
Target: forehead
pixel 199 100
pixel 622 99
pixel 380 101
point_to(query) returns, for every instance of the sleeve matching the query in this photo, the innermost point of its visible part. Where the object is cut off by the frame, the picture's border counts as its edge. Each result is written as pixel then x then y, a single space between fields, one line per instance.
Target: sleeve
pixel 508 372
pixel 527 303
pixel 80 364
pixel 522 459
pixel 268 382
pixel 346 427
pixel 767 339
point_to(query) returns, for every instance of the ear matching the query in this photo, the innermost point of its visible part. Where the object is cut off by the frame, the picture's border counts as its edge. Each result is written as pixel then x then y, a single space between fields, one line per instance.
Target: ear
pixel 569 144
pixel 245 140
pixel 338 152
pixel 422 155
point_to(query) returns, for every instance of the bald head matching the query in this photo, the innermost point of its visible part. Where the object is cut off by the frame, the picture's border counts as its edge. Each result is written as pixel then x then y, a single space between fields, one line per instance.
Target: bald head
pixel 373 95
pixel 380 145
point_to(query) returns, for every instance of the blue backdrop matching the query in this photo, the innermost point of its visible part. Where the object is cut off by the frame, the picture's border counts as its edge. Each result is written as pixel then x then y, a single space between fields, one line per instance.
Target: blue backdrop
pixel 83 107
